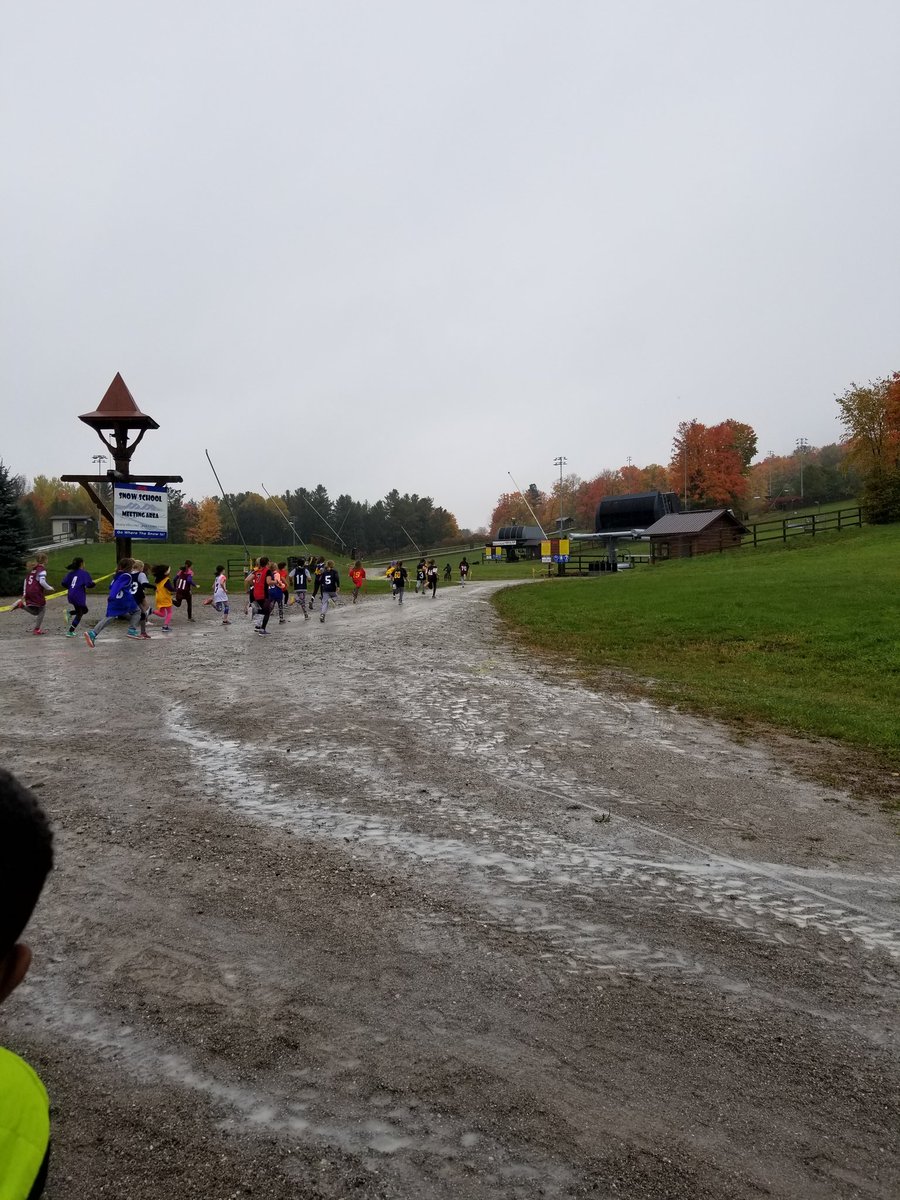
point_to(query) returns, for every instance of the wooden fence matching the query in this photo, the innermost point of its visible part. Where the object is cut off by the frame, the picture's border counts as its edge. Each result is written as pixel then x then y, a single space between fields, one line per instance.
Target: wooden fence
pixel 807 525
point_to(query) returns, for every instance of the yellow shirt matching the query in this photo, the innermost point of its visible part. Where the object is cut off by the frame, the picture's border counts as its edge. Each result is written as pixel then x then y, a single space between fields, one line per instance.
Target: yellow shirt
pixel 24 1127
pixel 163 600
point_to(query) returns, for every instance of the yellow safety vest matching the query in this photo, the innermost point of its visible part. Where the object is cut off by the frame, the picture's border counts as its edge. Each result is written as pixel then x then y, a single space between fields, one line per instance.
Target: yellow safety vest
pixel 24 1127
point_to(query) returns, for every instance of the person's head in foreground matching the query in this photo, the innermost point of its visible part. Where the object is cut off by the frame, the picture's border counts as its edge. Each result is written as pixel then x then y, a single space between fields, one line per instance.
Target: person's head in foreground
pixel 26 856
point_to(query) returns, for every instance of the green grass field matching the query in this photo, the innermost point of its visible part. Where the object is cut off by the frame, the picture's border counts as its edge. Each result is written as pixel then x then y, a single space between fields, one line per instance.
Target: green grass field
pixel 804 637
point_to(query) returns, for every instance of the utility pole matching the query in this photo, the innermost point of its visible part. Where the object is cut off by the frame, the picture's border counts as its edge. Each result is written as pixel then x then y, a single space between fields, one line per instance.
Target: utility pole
pixel 684 450
pixel 560 461
pixel 771 456
pixel 802 447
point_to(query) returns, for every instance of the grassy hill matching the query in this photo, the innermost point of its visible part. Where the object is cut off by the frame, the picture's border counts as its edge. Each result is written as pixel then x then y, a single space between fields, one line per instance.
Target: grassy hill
pixel 804 636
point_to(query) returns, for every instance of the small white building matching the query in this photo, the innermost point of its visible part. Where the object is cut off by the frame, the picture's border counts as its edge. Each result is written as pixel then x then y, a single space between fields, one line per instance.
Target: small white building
pixel 65 529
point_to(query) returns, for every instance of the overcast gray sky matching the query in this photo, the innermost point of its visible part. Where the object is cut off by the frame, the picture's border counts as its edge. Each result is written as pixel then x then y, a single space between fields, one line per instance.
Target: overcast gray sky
pixel 417 245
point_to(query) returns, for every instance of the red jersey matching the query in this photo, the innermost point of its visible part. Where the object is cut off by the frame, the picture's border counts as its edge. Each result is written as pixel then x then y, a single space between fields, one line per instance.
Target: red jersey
pixel 34 594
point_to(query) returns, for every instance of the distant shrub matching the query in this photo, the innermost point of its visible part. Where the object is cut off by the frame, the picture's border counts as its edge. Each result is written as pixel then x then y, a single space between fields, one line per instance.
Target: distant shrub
pixel 880 498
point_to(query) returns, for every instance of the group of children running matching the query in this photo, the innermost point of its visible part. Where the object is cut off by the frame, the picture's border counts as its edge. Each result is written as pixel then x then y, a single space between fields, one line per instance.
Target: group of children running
pixel 269 586
pixel 426 576
pixel 133 597
pixel 129 596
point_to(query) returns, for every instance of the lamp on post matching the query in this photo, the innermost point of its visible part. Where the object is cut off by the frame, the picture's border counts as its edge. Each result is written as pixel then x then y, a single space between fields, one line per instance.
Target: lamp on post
pixel 560 461
pixel 802 447
pixel 100 460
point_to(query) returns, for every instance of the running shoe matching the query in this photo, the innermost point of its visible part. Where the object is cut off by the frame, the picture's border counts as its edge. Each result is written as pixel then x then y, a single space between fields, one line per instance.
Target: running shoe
pixel 90 637
pixel 132 633
pixel 263 632
pixel 37 632
pixel 70 633
pixel 146 637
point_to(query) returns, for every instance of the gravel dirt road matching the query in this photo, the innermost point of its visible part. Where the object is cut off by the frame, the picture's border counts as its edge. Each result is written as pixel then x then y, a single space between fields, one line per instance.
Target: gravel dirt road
pixel 381 909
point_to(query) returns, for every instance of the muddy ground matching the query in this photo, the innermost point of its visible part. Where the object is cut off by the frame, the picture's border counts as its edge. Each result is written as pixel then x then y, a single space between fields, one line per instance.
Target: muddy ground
pixel 379 909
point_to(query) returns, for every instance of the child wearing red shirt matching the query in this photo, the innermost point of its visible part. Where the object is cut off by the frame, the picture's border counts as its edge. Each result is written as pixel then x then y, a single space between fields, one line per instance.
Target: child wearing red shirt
pixel 358 575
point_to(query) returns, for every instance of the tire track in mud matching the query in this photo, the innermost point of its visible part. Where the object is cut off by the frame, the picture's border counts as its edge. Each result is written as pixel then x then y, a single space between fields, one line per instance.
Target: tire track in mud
pixel 720 887
pixel 528 879
pixel 306 1112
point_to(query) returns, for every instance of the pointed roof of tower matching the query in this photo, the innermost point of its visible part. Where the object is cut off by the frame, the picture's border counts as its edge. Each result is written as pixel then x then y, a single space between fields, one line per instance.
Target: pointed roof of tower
pixel 118 407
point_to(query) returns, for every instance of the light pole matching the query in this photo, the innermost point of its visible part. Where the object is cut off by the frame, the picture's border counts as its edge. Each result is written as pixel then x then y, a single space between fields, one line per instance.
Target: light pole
pixel 802 447
pixel 685 449
pixel 560 461
pixel 100 460
pixel 771 456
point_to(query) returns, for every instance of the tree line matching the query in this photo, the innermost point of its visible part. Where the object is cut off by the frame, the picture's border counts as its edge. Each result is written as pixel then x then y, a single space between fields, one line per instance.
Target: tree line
pixel 392 523
pixel 302 515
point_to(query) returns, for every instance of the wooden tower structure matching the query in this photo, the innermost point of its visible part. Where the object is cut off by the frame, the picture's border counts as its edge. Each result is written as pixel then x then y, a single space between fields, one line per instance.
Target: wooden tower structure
pixel 118 415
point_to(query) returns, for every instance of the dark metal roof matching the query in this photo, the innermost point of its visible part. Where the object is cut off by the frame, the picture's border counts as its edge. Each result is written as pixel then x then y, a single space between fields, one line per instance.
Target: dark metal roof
pixel 673 524
pixel 636 510
pixel 519 533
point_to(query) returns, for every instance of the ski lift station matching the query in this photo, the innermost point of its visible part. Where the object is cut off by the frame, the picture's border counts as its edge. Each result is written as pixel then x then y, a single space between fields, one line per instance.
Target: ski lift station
pixel 654 518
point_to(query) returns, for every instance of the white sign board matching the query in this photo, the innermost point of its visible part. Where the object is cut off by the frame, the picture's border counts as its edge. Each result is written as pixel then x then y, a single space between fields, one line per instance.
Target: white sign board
pixel 140 511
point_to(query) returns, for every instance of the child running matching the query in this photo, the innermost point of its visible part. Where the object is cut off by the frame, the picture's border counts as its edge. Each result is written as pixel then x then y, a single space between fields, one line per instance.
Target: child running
pixel 300 580
pixel 263 600
pixel 281 583
pixel 329 587
pixel 138 582
pixel 431 576
pixel 358 576
pixel 121 603
pixel 34 594
pixel 400 577
pixel 220 594
pixel 318 568
pixel 164 594
pixel 184 587
pixel 77 581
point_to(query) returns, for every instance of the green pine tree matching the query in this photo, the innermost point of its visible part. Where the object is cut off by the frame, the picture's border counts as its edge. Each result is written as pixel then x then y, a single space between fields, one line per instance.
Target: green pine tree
pixel 13 542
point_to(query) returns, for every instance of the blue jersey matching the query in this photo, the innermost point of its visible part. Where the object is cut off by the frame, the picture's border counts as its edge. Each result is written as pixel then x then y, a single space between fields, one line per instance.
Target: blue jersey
pixel 121 603
pixel 76 582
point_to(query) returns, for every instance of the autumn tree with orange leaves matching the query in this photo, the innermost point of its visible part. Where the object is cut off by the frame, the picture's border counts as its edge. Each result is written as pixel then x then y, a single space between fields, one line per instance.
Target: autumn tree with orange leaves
pixel 871 418
pixel 710 463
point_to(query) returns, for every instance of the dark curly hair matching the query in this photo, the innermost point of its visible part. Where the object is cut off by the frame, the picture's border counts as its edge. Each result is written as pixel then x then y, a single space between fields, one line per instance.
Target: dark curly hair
pixel 26 857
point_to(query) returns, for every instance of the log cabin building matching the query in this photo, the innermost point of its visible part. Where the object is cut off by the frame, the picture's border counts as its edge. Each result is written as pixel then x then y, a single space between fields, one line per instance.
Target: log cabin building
pixel 686 534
